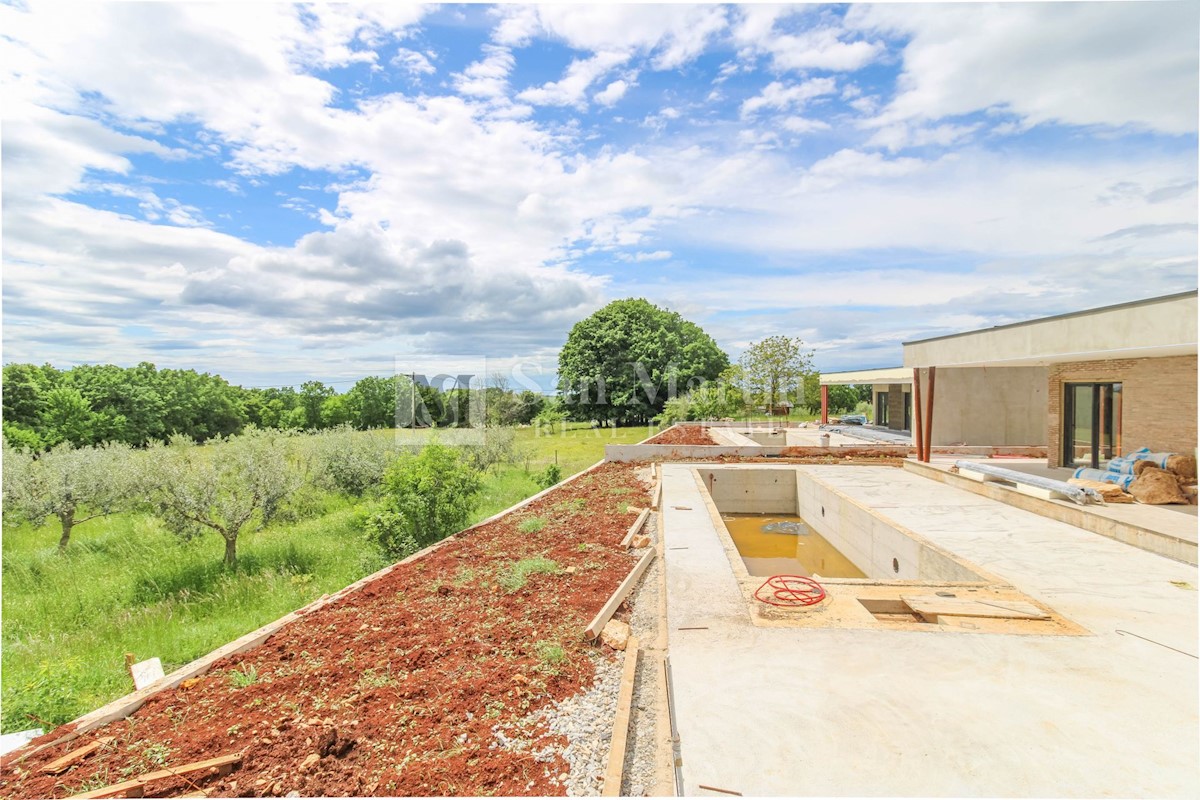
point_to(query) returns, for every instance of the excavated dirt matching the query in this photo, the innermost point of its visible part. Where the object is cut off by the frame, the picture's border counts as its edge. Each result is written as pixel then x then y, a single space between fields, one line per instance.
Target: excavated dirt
pixel 683 434
pixel 398 688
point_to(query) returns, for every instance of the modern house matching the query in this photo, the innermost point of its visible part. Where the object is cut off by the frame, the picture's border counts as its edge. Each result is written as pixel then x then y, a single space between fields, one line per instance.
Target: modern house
pixel 1087 385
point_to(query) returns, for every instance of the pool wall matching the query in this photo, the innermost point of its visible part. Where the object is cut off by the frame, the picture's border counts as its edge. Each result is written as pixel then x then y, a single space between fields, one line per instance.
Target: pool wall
pixel 876 546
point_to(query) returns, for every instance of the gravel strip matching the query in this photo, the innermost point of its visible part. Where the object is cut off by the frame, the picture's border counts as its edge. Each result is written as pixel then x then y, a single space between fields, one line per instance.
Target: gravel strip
pixel 586 719
pixel 640 778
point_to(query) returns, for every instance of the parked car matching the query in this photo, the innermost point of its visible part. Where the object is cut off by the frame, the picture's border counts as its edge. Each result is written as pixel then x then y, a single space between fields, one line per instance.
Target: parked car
pixel 854 419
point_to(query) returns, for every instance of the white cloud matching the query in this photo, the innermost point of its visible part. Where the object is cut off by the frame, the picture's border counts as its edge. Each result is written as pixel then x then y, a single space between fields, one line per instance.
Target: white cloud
pixel 1075 63
pixel 902 134
pixel 487 78
pixel 413 62
pixel 804 125
pixel 672 35
pixel 781 97
pixel 572 89
pixel 611 94
pixel 823 44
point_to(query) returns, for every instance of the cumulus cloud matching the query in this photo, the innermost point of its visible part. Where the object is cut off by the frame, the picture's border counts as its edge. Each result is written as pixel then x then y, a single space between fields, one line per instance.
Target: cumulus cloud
pixel 572 89
pixel 783 97
pixel 610 95
pixel 820 41
pixel 1074 63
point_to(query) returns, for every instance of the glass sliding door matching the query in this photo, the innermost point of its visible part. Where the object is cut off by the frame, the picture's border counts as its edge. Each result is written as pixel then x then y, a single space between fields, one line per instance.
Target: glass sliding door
pixel 1092 429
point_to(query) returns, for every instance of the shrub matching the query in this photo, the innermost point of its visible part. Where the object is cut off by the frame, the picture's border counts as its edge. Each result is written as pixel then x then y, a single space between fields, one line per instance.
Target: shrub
pixel 549 476
pixel 428 496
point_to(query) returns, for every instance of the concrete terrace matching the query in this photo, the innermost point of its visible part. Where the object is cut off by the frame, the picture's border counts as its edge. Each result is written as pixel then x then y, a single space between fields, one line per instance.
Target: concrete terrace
pixel 828 711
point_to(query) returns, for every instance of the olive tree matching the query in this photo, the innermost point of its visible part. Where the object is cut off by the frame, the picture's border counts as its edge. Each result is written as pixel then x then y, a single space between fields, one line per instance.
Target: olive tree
pixel 347 460
pixel 72 484
pixel 221 487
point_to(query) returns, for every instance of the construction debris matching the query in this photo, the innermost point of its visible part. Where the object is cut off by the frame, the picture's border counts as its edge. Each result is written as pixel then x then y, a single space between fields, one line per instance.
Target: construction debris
pixel 1111 492
pixel 1157 487
pixel 60 765
pixel 615 634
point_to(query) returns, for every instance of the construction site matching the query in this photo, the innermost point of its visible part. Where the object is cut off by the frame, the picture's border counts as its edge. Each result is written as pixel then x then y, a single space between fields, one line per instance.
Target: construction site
pixel 726 608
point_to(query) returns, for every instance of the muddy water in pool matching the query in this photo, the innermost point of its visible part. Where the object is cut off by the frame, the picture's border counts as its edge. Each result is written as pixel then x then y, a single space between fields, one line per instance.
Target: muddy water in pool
pixel 792 548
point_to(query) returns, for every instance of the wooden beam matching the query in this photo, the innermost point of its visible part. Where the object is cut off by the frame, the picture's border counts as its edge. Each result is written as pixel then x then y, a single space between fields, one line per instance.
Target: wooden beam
pixel 610 608
pixel 616 754
pixel 635 527
pixel 72 758
pixel 125 789
pixel 929 414
pixel 222 765
pixel 918 413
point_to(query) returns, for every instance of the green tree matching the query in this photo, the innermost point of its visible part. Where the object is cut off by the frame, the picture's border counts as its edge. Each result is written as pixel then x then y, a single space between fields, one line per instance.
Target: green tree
pixel 66 417
pixel 312 397
pixel 774 367
pixel 373 402
pixel 71 484
pixel 626 360
pixel 347 460
pixel 429 496
pixel 222 487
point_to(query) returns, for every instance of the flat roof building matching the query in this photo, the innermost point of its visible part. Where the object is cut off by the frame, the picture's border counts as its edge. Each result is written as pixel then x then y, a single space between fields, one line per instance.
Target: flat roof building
pixel 1086 385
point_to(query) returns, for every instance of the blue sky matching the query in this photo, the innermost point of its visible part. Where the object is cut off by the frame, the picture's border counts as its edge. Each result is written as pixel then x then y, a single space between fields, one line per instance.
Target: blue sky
pixel 278 192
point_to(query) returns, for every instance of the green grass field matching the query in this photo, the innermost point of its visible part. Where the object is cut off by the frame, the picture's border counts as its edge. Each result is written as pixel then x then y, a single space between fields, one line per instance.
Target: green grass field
pixel 127 584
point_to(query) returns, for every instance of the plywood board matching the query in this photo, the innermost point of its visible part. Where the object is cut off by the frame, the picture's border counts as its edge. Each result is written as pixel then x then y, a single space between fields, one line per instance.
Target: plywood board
pixel 932 606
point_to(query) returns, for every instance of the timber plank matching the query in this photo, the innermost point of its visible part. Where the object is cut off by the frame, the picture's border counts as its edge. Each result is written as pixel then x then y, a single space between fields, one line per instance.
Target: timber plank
pixel 72 758
pixel 931 607
pixel 610 608
pixel 613 775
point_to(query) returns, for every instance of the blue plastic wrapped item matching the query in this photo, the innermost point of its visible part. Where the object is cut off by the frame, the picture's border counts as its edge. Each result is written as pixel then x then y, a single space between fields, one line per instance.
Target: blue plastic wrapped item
pixel 1089 474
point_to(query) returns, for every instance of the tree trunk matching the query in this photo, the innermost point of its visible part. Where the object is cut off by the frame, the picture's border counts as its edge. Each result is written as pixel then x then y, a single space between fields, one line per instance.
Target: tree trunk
pixel 67 518
pixel 231 552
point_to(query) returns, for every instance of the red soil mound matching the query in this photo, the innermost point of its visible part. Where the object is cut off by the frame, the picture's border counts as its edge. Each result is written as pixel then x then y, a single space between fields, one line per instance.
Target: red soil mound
pixel 683 434
pixel 396 688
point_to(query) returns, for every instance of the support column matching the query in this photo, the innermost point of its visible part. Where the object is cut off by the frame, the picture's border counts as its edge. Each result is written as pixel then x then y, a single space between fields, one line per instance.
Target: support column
pixel 918 439
pixel 929 415
pixel 824 404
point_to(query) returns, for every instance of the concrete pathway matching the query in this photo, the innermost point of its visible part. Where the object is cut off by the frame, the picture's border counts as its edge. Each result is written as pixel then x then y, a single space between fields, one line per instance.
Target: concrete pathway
pixel 778 711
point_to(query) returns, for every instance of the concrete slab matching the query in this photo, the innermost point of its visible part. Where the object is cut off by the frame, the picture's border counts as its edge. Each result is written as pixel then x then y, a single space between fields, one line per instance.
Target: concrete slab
pixel 836 712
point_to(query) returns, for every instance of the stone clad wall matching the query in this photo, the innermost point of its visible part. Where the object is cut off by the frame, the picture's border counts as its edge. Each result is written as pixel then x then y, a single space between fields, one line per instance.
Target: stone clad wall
pixel 1158 401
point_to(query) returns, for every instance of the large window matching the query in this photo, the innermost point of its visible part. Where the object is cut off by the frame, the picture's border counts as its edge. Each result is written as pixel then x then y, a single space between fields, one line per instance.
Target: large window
pixel 1092 423
pixel 881 408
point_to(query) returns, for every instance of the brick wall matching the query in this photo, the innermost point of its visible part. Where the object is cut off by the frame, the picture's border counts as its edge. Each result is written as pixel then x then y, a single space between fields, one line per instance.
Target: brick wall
pixel 896 406
pixel 1158 401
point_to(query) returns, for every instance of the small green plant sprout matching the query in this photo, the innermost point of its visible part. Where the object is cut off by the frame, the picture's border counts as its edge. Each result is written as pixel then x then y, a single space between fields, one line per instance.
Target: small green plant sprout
pixel 372 679
pixel 573 506
pixel 623 507
pixel 551 655
pixel 531 525
pixel 518 574
pixel 244 676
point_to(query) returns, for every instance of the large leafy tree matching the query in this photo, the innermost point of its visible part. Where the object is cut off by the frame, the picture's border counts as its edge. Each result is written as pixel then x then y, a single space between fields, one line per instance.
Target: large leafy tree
pixel 775 367
pixel 626 360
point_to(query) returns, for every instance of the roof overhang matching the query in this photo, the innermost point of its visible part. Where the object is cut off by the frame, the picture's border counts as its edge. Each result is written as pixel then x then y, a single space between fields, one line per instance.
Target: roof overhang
pixel 864 376
pixel 1163 326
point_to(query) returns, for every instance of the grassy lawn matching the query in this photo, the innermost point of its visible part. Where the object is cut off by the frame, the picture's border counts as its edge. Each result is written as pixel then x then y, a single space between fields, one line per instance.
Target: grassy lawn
pixel 127 584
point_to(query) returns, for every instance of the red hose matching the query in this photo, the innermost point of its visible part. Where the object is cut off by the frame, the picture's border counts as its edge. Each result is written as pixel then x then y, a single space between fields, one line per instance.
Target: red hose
pixel 790 591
